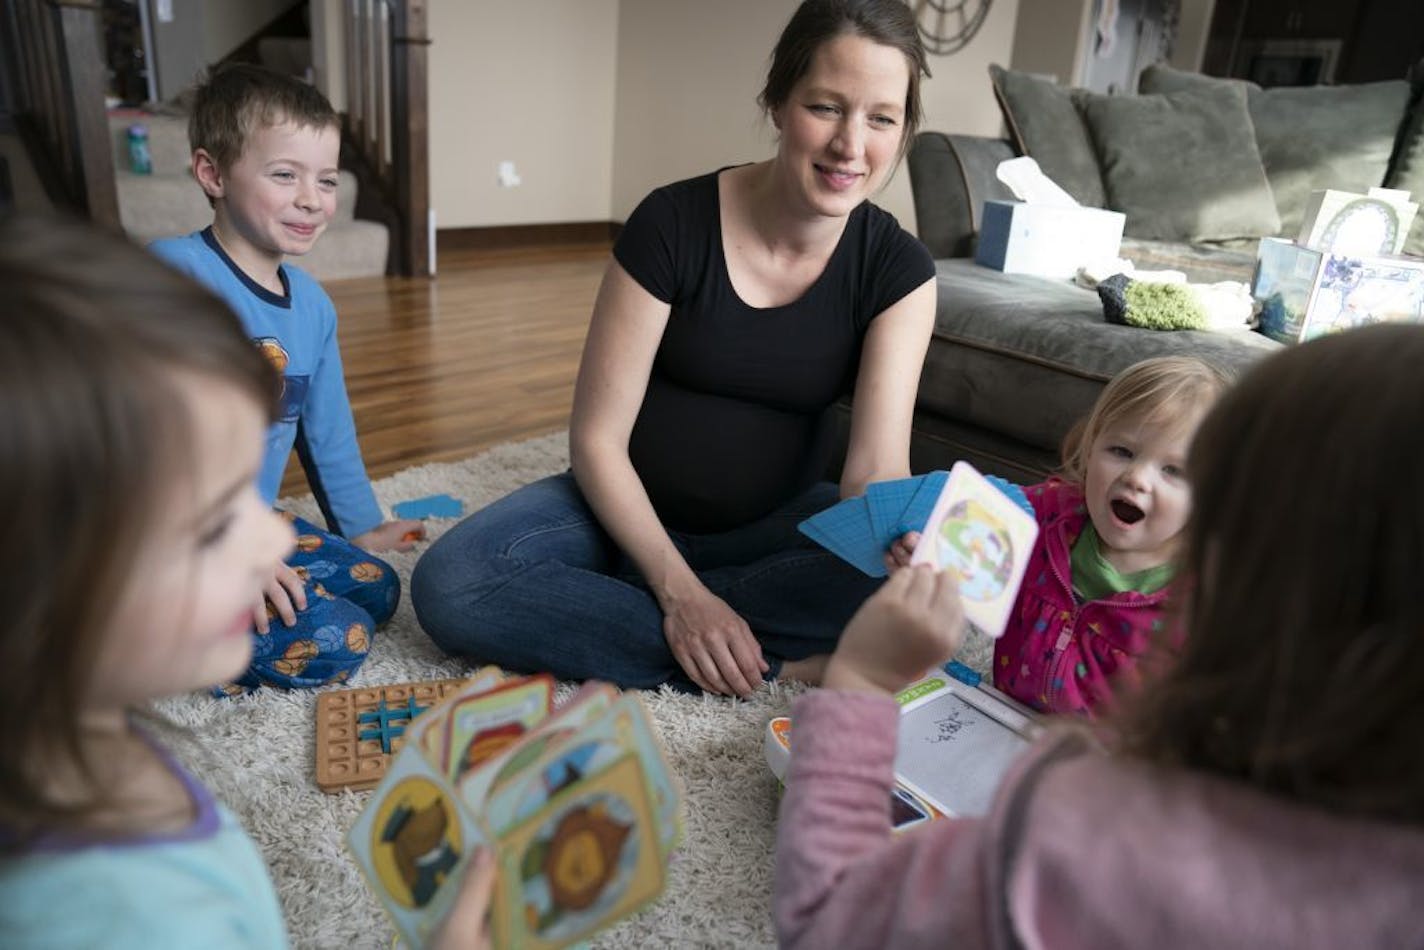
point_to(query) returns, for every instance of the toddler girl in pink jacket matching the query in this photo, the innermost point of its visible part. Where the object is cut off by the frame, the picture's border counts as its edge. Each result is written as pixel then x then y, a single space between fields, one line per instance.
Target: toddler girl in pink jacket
pixel 1101 570
pixel 1099 575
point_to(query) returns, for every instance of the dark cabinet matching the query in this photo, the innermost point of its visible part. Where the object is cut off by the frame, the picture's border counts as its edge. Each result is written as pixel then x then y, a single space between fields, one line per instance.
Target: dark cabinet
pixel 1303 19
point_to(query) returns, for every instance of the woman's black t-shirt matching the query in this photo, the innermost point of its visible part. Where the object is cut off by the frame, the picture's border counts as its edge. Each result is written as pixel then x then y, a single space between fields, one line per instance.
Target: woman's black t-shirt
pixel 736 418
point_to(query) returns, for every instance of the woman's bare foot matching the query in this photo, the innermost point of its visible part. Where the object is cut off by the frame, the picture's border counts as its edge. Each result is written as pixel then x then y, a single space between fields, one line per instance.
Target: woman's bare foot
pixel 808 671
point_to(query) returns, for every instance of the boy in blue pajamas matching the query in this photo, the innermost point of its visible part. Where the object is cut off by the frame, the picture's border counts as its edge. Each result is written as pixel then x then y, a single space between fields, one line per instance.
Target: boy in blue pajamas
pixel 265 150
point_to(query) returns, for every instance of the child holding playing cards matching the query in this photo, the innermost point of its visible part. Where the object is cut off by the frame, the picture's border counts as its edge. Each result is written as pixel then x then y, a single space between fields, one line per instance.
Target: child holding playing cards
pixel 132 415
pixel 1100 572
pixel 1265 791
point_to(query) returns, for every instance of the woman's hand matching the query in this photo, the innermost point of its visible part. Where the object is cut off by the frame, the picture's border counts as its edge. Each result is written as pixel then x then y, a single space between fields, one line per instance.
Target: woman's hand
pixel 911 625
pixel 901 551
pixel 286 592
pixel 466 927
pixel 712 643
pixel 391 536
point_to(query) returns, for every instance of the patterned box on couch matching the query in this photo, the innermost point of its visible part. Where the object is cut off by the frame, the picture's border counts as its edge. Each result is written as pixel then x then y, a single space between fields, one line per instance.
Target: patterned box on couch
pixel 1306 293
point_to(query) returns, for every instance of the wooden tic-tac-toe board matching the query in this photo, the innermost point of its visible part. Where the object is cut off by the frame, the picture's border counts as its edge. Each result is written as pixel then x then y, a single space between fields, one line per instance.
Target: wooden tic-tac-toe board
pixel 357 730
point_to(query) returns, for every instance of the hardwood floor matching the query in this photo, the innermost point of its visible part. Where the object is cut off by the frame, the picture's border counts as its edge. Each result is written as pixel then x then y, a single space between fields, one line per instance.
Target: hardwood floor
pixel 486 352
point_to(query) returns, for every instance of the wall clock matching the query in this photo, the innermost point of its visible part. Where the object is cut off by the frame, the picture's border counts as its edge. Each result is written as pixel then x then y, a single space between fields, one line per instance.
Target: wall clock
pixel 947 26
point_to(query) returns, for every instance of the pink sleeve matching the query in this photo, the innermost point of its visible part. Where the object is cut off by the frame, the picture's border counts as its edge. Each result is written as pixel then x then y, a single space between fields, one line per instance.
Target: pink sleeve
pixel 842 879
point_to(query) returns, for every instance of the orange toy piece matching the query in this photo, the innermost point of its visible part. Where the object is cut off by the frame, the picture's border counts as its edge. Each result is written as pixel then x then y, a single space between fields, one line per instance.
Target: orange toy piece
pixel 344 759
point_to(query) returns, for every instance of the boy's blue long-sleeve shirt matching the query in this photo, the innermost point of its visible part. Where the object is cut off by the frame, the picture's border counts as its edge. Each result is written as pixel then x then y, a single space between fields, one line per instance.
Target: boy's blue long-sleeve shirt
pixel 297 332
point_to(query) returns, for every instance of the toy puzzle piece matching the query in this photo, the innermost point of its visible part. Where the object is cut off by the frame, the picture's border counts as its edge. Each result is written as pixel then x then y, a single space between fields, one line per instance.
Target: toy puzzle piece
pixel 431 506
pixel 389 723
pixel 347 757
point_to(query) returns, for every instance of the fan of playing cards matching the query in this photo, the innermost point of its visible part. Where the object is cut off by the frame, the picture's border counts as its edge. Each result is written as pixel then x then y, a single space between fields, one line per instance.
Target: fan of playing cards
pixel 981 528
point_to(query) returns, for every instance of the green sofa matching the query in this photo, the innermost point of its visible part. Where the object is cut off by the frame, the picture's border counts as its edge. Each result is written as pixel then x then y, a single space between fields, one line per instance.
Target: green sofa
pixel 1202 168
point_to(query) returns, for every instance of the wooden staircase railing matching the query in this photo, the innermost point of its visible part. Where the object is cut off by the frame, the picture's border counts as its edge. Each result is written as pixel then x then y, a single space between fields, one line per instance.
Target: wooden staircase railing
pixel 54 50
pixel 388 117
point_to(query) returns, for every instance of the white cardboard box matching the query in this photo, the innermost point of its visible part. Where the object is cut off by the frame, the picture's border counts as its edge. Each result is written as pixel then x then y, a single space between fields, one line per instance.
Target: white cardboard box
pixel 1046 240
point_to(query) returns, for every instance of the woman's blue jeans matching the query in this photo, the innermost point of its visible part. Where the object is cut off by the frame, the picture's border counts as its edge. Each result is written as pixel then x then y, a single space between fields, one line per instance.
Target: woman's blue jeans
pixel 533 583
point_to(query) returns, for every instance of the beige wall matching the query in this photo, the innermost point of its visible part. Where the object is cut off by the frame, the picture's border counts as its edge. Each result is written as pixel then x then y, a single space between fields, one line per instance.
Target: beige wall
pixel 599 101
pixel 689 72
pixel 1047 38
pixel 530 83
pixel 1192 31
pixel 228 24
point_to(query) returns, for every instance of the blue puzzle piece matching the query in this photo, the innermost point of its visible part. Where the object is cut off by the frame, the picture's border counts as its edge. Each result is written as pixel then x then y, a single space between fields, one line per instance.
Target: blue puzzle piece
pixel 432 506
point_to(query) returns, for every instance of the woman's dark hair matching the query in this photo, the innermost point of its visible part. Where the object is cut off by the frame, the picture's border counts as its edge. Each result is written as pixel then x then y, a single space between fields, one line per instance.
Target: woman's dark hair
pixel 1303 662
pixel 94 342
pixel 816 22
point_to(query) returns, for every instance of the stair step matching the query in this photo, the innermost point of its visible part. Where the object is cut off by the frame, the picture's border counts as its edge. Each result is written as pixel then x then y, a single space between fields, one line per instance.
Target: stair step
pixel 350 249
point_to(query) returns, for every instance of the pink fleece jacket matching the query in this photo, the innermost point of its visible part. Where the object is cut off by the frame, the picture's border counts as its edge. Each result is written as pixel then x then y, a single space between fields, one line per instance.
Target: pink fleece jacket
pixel 1058 655
pixel 1078 850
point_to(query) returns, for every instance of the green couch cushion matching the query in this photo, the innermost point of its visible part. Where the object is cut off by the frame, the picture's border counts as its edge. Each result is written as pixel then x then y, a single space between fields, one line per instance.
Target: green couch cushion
pixel 1182 166
pixel 1310 137
pixel 1044 124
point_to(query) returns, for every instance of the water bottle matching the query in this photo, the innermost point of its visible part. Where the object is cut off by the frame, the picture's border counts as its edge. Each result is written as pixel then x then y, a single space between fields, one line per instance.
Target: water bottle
pixel 139 159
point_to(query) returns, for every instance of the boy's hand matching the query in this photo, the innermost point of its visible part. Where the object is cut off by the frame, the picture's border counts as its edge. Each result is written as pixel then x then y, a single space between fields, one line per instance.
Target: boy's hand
pixel 912 624
pixel 287 594
pixel 391 536
pixel 466 927
pixel 901 551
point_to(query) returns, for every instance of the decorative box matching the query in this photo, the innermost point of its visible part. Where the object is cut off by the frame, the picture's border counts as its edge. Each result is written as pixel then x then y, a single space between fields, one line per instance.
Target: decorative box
pixel 1305 293
pixel 1046 239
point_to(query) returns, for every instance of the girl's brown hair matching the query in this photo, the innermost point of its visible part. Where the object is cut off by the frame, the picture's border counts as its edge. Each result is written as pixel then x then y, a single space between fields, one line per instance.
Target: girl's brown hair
pixel 1304 657
pixel 817 22
pixel 1162 391
pixel 92 425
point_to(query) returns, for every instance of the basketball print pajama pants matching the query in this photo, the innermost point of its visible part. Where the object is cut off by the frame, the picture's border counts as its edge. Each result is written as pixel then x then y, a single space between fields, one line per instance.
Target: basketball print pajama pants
pixel 349 594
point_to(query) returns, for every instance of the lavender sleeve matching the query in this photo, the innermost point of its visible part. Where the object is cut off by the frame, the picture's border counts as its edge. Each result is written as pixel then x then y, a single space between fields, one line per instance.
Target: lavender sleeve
pixel 842 878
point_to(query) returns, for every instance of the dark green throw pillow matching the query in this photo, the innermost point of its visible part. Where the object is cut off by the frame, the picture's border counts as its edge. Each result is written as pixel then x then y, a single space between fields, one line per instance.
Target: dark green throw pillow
pixel 1184 166
pixel 1045 125
pixel 1310 137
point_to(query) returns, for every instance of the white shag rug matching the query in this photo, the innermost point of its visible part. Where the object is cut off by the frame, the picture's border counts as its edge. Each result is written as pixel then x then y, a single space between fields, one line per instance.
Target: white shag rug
pixel 257 753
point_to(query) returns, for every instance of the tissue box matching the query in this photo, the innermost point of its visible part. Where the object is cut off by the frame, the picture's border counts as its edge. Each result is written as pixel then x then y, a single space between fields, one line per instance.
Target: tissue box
pixel 1046 240
pixel 1305 292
